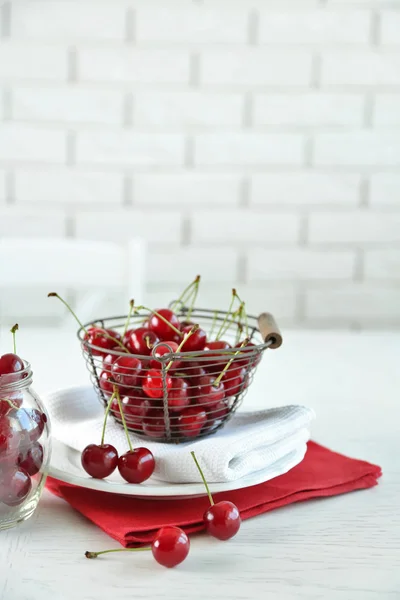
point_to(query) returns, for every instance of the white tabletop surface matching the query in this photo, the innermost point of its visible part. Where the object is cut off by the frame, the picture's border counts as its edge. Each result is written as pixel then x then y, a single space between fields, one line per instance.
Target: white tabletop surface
pixel 347 547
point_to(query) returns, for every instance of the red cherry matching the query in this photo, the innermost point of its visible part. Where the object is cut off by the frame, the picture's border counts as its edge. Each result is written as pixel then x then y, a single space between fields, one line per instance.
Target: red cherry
pixel 178 395
pixel 10 363
pixel 197 340
pixel 12 433
pixel 206 393
pixel 222 520
pixel 36 424
pixel 109 360
pixel 125 370
pixel 161 350
pixel 170 546
pixel 153 383
pixel 162 329
pixel 106 382
pixel 191 421
pixel 217 361
pixel 15 486
pixel 136 465
pixel 192 371
pixel 140 341
pixel 184 324
pixel 32 459
pixel 219 411
pixel 154 424
pixel 135 408
pixel 99 461
pixel 253 360
pixel 95 336
pixel 233 379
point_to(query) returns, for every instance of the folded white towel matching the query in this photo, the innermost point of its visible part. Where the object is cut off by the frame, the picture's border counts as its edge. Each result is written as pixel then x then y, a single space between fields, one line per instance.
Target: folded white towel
pixel 251 441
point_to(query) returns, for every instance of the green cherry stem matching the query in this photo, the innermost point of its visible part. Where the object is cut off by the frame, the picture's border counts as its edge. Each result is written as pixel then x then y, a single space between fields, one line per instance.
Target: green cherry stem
pixel 228 364
pixel 220 331
pixel 215 317
pixel 96 554
pixel 179 348
pixel 13 330
pixel 185 293
pixel 234 315
pixel 128 318
pixel 104 333
pixel 193 297
pixel 203 478
pixel 116 393
pixel 9 402
pixel 244 312
pixel 154 312
pixel 103 433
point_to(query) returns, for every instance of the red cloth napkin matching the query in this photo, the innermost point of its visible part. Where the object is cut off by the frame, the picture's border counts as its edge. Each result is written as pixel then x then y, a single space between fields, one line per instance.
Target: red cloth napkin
pixel 134 521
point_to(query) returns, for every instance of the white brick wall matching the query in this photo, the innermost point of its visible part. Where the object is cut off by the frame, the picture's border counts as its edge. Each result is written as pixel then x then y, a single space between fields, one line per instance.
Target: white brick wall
pixel 256 142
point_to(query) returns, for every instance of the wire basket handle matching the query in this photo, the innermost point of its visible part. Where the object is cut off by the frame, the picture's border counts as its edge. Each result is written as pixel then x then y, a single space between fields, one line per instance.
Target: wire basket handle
pixel 270 330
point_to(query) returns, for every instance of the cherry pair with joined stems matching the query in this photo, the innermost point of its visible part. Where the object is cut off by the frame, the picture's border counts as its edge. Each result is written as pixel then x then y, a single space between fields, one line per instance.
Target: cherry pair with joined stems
pixel 100 461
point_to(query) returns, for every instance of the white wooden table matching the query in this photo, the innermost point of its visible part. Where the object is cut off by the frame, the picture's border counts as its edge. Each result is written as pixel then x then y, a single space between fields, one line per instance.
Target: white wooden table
pixel 347 547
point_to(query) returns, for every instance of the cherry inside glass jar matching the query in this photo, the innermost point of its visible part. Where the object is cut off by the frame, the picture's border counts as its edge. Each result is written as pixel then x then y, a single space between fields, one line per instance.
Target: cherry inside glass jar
pixel 25 447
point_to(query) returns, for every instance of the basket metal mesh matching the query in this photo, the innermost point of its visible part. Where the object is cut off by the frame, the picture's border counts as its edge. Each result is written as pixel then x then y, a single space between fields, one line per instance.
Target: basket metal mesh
pixel 159 419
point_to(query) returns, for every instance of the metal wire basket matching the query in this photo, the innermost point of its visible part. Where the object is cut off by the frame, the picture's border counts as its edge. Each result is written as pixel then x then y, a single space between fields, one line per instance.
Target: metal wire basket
pixel 206 411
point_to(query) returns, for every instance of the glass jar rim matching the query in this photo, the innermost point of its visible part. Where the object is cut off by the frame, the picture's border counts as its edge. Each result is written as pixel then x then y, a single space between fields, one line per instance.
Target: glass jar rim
pixel 11 382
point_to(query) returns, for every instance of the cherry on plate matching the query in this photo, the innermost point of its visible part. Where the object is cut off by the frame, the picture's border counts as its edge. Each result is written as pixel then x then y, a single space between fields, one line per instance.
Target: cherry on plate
pixel 137 465
pixel 99 461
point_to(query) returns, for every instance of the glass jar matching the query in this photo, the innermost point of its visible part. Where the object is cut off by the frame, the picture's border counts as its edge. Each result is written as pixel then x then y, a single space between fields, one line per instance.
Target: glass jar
pixel 25 447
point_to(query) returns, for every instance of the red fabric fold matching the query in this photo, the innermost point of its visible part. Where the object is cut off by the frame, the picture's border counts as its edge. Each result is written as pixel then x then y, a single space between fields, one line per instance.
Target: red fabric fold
pixel 133 521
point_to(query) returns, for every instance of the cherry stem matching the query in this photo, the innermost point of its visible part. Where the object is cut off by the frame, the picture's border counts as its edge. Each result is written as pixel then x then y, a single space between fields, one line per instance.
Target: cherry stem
pixel 203 478
pixel 13 330
pixel 239 333
pixel 220 331
pixel 179 348
pixel 116 393
pixel 244 312
pixel 104 333
pixel 215 317
pixel 128 318
pixel 103 433
pixel 11 404
pixel 228 364
pixel 55 295
pixel 193 297
pixel 185 292
pixel 154 312
pixel 96 554
pixel 235 314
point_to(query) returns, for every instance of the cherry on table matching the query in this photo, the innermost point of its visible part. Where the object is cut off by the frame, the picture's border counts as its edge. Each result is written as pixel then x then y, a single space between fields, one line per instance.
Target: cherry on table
pixel 137 465
pixel 140 341
pixel 222 519
pixel 161 328
pixel 191 421
pixel 15 486
pixel 99 461
pixel 170 546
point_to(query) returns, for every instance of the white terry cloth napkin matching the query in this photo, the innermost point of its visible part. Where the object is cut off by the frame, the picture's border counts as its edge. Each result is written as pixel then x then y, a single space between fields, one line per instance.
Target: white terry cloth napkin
pixel 251 441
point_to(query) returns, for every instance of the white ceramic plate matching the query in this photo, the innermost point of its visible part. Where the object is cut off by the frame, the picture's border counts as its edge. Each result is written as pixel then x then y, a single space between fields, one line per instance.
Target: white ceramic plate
pixel 66 466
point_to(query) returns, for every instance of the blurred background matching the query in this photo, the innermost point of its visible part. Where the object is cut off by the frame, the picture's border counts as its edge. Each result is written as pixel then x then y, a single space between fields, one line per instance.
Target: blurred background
pixel 255 142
